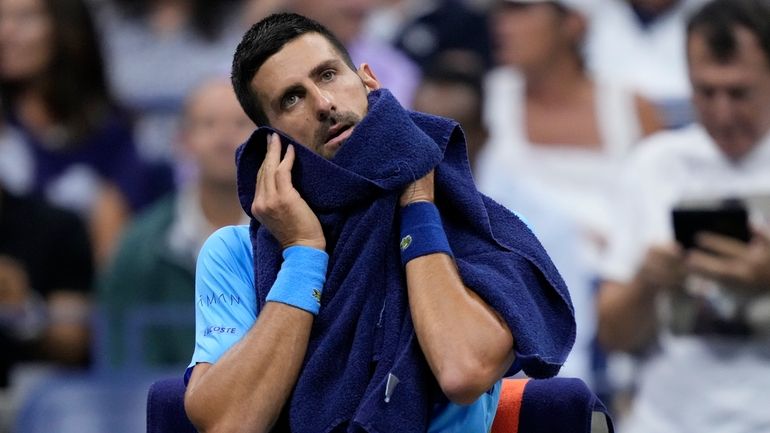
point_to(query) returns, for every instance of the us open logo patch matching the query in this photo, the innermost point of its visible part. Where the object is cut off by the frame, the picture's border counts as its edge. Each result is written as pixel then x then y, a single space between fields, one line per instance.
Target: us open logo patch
pixel 405 242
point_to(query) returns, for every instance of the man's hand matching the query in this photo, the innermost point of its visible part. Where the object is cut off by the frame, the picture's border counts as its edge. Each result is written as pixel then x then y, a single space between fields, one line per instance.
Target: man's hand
pixel 419 190
pixel 737 264
pixel 663 268
pixel 277 204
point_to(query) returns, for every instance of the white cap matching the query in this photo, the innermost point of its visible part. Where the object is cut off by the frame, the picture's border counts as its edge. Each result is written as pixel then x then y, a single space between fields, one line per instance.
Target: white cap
pixel 585 7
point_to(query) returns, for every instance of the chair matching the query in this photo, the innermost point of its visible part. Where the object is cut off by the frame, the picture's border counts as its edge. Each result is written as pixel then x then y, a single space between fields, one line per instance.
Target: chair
pixel 526 406
pixel 555 405
pixel 84 403
pixel 165 407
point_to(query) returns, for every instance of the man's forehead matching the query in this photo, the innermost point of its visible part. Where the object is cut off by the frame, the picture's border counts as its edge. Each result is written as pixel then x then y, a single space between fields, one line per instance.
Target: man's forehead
pixel 293 62
pixel 747 49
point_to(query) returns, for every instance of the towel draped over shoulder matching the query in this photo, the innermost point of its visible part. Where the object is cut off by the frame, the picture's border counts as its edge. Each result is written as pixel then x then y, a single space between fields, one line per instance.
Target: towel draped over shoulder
pixel 364 331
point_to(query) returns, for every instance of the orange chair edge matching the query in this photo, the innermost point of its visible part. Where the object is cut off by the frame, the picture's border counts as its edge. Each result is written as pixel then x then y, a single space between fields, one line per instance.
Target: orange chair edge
pixel 507 416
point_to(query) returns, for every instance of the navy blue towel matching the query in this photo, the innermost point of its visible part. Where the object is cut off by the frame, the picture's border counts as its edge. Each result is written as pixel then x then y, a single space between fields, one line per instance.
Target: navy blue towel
pixel 364 331
pixel 560 404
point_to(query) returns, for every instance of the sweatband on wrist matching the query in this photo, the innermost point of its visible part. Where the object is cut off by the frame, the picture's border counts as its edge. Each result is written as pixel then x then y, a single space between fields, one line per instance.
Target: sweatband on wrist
pixel 422 232
pixel 301 279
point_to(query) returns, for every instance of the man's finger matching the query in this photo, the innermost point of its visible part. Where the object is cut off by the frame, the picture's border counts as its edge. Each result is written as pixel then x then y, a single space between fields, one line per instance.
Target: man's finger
pixel 283 175
pixel 722 245
pixel 270 164
pixel 761 235
pixel 712 266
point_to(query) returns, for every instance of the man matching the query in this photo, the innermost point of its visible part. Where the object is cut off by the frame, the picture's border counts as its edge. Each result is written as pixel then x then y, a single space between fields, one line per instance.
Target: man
pixel 712 373
pixel 46 271
pixel 354 330
pixel 155 263
pixel 451 86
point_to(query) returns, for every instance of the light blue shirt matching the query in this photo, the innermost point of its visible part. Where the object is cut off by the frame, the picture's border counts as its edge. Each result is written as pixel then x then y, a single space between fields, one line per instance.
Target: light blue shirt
pixel 226 308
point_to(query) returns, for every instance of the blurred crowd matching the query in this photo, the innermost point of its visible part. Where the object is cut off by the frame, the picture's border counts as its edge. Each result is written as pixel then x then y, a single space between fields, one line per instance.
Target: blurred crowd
pixel 591 119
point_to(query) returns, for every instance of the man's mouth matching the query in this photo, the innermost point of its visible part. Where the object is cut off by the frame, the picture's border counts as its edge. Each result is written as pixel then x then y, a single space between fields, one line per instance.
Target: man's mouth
pixel 337 135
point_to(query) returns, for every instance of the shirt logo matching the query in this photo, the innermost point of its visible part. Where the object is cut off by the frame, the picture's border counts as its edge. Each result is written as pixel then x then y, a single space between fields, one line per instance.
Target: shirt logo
pixel 219 330
pixel 317 296
pixel 220 299
pixel 405 242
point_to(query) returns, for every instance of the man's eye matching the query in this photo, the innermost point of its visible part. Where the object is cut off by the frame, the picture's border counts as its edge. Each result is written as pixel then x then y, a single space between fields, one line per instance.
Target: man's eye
pixel 289 101
pixel 328 75
pixel 706 92
pixel 738 93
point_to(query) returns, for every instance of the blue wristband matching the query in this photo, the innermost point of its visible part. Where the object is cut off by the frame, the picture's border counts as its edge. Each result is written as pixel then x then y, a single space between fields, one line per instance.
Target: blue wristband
pixel 301 279
pixel 422 232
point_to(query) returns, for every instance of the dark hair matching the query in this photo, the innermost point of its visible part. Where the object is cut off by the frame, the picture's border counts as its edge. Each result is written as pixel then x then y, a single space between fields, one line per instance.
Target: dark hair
pixel 717 22
pixel 457 67
pixel 207 15
pixel 74 86
pixel 264 39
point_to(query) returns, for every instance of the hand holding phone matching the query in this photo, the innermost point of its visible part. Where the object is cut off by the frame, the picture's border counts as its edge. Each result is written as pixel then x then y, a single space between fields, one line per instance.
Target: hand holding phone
pixel 727 218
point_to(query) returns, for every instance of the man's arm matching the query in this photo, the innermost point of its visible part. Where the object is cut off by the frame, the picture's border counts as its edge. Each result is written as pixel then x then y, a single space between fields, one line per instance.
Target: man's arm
pixel 467 345
pixel 246 388
pixel 627 318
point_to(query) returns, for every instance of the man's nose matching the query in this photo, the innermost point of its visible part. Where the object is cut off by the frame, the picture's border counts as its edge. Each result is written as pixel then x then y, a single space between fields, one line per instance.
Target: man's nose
pixel 324 104
pixel 723 108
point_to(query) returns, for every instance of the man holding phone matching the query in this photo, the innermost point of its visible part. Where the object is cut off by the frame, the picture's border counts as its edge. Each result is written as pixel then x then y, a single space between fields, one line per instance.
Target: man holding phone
pixel 703 310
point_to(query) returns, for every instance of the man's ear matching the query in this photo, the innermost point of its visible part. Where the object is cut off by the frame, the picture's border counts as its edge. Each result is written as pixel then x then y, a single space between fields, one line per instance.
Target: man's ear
pixel 368 78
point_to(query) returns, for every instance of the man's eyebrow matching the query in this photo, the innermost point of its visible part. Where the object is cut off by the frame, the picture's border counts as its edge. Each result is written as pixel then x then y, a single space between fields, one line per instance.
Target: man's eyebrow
pixel 316 71
pixel 326 64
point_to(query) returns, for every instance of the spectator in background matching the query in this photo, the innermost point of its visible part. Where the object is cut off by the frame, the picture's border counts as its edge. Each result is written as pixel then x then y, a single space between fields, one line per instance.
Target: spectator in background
pixel 157 51
pixel 443 25
pixel 452 87
pixel 45 278
pixel 54 92
pixel 641 44
pixel 550 122
pixel 712 374
pixel 346 19
pixel 155 263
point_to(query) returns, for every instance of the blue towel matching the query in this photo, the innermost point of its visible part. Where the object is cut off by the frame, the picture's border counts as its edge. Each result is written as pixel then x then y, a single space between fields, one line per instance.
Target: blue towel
pixel 364 332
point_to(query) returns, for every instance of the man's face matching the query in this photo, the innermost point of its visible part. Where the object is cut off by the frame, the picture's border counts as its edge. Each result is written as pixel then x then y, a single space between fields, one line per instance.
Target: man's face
pixel 732 98
pixel 307 91
pixel 213 126
pixel 527 35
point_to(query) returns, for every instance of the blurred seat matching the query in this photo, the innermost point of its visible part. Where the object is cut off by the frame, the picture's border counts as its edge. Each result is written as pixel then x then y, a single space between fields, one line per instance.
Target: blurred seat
pixel 85 403
pixel 557 405
pixel 165 407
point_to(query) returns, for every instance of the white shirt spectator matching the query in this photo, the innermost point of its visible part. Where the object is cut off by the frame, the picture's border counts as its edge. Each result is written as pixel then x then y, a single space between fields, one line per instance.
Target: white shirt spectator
pixel 691 383
pixel 577 180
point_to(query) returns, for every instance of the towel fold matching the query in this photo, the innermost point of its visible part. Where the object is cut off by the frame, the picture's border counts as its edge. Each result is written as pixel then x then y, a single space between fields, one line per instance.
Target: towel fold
pixel 364 333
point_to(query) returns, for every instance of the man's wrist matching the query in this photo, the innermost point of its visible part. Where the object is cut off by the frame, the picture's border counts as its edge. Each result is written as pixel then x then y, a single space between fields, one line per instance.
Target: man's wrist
pixel 301 279
pixel 318 244
pixel 422 232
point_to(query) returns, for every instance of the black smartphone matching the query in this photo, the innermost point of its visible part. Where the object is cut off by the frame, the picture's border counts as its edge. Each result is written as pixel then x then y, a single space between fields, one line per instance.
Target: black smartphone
pixel 729 218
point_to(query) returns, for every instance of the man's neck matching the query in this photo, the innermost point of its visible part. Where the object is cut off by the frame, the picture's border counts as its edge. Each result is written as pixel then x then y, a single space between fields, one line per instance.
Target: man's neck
pixel 559 81
pixel 219 203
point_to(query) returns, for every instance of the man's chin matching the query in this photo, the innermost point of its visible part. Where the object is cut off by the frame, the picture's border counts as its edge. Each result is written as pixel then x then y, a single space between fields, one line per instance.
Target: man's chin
pixel 328 151
pixel 735 147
